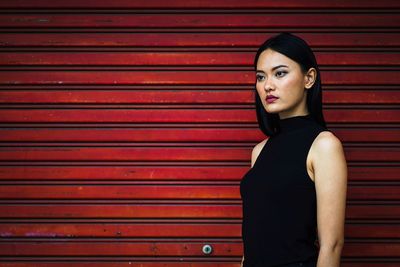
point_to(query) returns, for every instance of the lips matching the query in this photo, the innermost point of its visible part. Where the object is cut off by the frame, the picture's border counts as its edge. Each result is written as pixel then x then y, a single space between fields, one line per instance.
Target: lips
pixel 271 98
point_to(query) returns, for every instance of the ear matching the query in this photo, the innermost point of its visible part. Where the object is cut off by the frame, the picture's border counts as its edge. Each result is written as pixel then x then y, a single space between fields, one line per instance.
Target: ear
pixel 310 78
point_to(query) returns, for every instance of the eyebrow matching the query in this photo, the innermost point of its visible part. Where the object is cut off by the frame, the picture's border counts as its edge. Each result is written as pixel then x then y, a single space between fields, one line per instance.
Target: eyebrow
pixel 274 68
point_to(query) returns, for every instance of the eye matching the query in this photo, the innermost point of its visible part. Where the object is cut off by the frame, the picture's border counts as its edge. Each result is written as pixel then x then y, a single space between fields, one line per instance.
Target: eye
pixel 259 77
pixel 283 72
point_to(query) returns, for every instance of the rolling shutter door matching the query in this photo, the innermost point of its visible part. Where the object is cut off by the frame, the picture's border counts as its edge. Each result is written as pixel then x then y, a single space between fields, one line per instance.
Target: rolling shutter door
pixel 126 126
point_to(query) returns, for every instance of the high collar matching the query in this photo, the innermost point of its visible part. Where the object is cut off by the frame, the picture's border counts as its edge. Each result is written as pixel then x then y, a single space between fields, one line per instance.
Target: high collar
pixel 294 123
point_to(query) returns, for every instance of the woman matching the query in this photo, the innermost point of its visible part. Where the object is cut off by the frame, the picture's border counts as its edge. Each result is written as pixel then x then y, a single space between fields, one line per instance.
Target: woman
pixel 294 194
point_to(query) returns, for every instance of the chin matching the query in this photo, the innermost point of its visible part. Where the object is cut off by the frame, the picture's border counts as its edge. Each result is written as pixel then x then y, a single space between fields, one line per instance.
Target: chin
pixel 271 110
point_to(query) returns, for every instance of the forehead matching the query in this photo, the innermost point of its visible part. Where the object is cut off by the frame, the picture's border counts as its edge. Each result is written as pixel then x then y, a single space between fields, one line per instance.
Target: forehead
pixel 270 58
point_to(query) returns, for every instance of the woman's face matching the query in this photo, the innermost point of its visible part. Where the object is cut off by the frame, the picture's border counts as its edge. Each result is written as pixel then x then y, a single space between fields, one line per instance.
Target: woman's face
pixel 281 77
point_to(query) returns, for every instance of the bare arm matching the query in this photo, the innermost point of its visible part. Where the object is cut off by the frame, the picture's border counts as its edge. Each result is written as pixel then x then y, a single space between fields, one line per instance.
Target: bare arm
pixel 254 155
pixel 330 175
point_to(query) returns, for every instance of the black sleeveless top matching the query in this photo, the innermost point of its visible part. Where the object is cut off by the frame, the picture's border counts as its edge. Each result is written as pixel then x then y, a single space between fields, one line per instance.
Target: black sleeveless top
pixel 279 198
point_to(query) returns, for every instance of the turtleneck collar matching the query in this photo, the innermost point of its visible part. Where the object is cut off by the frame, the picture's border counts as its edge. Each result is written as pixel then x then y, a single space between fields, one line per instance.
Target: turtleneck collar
pixel 294 123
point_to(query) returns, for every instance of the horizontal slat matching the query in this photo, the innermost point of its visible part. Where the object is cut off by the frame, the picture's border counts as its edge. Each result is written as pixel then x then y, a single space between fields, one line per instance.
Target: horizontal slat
pixel 182 134
pixel 125 192
pixel 373 192
pixel 209 21
pixel 372 231
pixel 137 96
pixel 186 40
pixel 142 210
pixel 164 230
pixel 128 173
pixel 366 249
pixel 361 97
pixel 167 173
pixel 362 211
pixel 176 115
pixel 182 77
pixel 131 263
pixel 368 173
pixel 234 263
pixel 125 153
pixel 146 134
pixel 180 97
pixel 206 192
pixel 131 115
pixel 339 58
pixel 127 248
pixel 375 154
pixel 204 4
pixel 157 230
pixel 116 154
pixel 147 58
pixel 171 263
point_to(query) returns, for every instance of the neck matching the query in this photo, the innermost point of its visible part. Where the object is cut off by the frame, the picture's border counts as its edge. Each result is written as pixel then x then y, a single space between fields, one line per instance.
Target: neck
pixel 293 123
pixel 293 116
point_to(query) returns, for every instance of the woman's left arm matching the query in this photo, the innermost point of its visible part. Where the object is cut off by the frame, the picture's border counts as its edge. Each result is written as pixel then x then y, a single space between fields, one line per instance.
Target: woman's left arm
pixel 330 176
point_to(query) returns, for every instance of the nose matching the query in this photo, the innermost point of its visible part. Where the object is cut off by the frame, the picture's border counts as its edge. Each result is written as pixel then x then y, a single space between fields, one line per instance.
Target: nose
pixel 268 85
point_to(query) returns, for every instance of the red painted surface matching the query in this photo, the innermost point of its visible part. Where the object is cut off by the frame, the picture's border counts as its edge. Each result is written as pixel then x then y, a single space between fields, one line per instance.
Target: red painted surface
pixel 185 40
pixel 199 20
pixel 158 58
pixel 126 126
pixel 169 77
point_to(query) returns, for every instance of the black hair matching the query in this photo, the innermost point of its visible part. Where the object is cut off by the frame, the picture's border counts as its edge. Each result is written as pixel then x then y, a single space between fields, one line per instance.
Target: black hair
pixel 298 50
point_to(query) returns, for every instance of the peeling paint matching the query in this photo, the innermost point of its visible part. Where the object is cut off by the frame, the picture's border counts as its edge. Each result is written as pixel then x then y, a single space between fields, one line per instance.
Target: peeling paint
pixel 5 234
pixel 35 234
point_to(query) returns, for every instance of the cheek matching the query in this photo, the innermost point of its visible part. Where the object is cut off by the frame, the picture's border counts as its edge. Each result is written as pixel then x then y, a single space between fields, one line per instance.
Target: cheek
pixel 260 89
pixel 292 87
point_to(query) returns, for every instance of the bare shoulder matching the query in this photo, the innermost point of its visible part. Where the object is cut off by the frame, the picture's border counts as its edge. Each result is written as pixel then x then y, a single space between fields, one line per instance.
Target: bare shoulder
pixel 327 142
pixel 256 151
pixel 328 158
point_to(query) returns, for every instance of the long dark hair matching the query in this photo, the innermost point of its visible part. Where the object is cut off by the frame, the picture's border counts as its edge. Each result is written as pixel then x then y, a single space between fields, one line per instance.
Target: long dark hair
pixel 298 50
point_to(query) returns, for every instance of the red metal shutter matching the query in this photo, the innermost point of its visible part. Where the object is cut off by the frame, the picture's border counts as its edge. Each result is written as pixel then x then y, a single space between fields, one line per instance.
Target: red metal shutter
pixel 126 126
